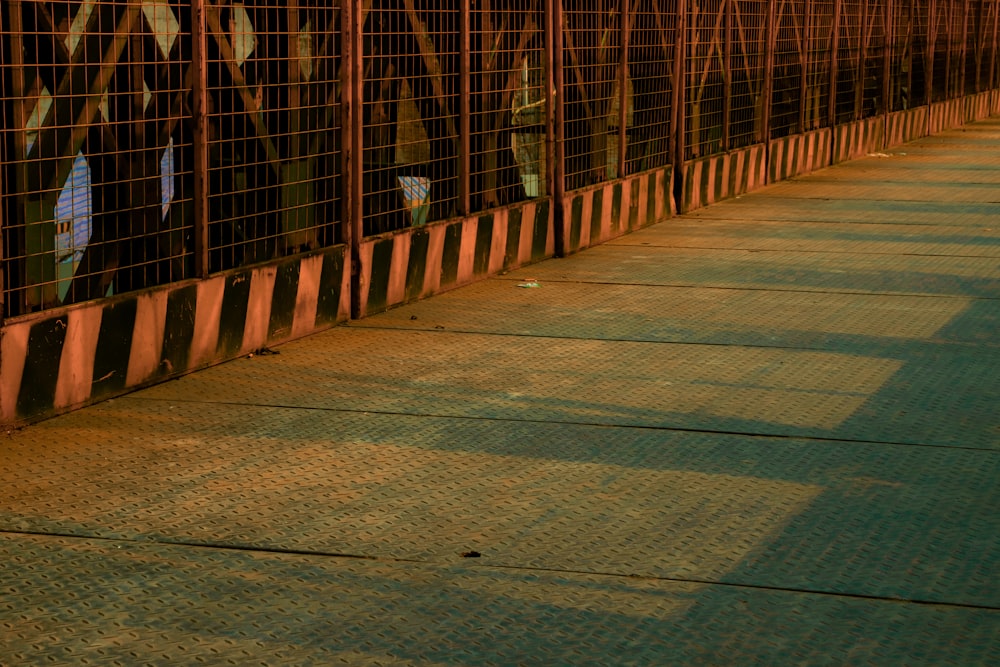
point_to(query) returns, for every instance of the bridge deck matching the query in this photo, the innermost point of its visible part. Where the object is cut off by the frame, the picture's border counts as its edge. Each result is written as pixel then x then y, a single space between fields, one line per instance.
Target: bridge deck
pixel 765 432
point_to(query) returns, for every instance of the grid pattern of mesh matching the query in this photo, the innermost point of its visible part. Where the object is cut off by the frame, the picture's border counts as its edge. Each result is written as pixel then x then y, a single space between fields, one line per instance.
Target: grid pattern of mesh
pixel 748 39
pixel 273 128
pixel 411 114
pixel 819 50
pixel 592 34
pixel 848 60
pixel 508 102
pixel 651 54
pixel 873 22
pixel 705 90
pixel 95 138
pixel 789 62
pixel 100 157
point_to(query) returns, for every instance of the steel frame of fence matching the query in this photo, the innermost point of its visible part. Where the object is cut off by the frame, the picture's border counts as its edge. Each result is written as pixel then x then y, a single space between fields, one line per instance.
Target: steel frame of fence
pixel 581 65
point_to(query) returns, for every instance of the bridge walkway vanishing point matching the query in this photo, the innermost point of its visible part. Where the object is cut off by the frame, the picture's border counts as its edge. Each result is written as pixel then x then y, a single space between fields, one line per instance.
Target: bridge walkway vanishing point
pixel 766 432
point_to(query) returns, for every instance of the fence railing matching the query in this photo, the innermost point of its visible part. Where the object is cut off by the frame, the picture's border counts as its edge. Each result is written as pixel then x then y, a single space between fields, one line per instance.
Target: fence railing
pixel 145 142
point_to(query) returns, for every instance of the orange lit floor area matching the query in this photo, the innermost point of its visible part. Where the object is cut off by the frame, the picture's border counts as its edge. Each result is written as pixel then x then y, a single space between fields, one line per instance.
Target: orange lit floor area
pixel 767 432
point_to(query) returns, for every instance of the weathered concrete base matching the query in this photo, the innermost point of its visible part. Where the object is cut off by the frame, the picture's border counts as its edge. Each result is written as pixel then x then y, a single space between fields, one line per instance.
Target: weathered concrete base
pixel 719 177
pixel 854 140
pixel 62 359
pixel 414 263
pixel 599 214
pixel 798 154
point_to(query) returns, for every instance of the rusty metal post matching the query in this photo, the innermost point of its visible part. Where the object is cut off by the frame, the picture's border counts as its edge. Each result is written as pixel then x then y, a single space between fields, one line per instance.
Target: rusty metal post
pixel 678 115
pixel 838 6
pixel 626 26
pixel 929 55
pixel 465 108
pixel 352 128
pixel 964 51
pixel 888 40
pixel 994 52
pixel 556 148
pixel 199 137
pixel 770 46
pixel 727 75
pixel 859 73
pixel 807 28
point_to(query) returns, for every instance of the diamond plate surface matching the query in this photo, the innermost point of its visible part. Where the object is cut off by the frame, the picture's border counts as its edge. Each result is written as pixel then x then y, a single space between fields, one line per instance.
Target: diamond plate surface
pixel 820 237
pixel 126 604
pixel 747 436
pixel 875 520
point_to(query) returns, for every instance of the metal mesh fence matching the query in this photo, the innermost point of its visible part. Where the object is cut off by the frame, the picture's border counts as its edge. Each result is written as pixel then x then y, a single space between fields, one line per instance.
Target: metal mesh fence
pixel 411 114
pixel 919 16
pixel 706 77
pixel 651 57
pixel 747 43
pixel 273 118
pixel 102 161
pixel 849 59
pixel 819 51
pixel 874 24
pixel 95 138
pixel 591 56
pixel 788 93
pixel 508 121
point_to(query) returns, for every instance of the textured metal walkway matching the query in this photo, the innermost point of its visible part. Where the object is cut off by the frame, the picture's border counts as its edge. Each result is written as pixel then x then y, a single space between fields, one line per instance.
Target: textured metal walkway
pixel 766 433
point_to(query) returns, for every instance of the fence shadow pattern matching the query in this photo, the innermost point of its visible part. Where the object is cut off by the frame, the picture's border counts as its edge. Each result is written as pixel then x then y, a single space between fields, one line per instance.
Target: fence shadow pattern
pixel 412 146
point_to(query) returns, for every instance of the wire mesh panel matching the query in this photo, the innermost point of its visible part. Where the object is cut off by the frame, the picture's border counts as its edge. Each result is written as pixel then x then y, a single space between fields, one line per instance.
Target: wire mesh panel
pixel 848 57
pixel 900 56
pixel 919 17
pixel 705 92
pixel 940 31
pixel 973 45
pixel 507 102
pixel 991 49
pixel 273 116
pixel 411 113
pixel 789 58
pixel 748 40
pixel 95 142
pixel 873 22
pixel 591 55
pixel 650 60
pixel 818 60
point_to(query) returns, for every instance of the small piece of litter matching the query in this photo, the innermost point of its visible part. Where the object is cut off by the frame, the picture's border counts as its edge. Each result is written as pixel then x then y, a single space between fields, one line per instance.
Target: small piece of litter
pixel 529 284
pixel 879 155
pixel 470 554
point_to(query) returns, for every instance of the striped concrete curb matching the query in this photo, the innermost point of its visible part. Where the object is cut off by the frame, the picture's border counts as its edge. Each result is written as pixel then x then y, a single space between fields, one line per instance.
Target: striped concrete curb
pixel 858 139
pixel 81 354
pixel 594 215
pixel 905 126
pixel 414 263
pixel 719 177
pixel 798 154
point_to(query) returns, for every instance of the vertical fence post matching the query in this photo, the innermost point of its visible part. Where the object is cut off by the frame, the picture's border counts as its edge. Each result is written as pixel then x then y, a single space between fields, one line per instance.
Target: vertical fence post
pixel 556 112
pixel 727 74
pixel 465 108
pixel 804 50
pixel 626 27
pixel 770 46
pixel 352 128
pixel 678 114
pixel 993 52
pixel 865 31
pixel 834 61
pixel 199 138
pixel 888 42
pixel 964 51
